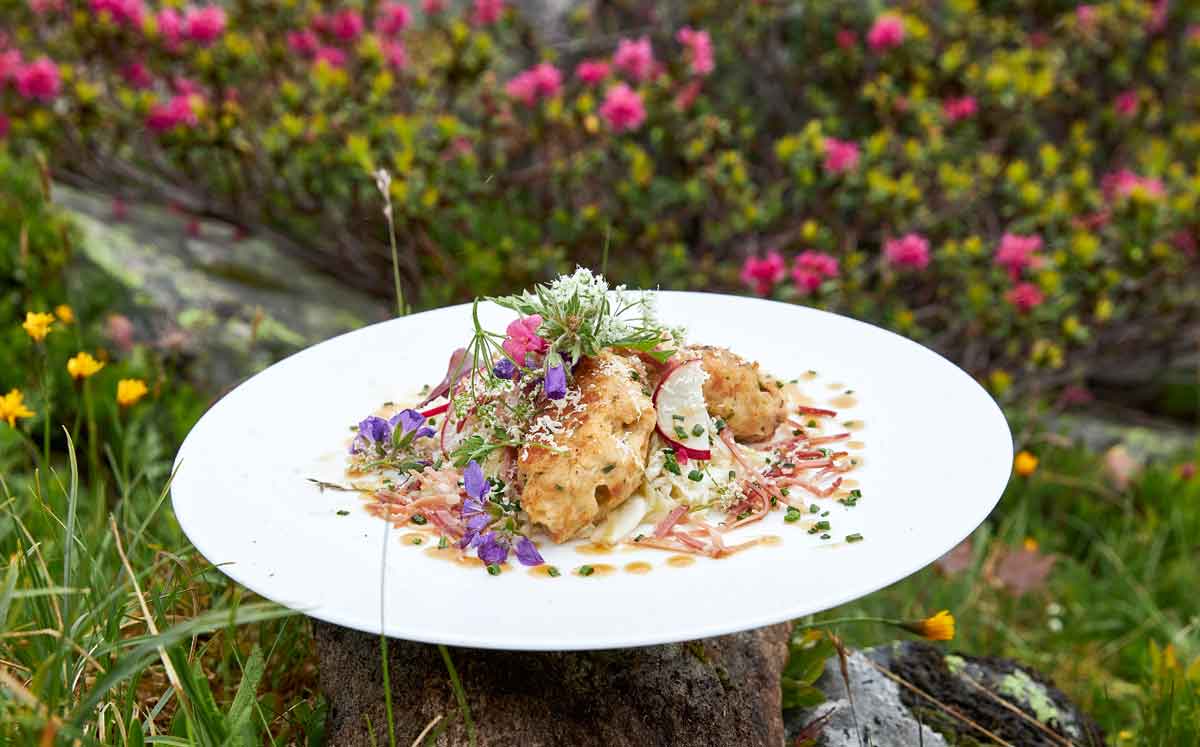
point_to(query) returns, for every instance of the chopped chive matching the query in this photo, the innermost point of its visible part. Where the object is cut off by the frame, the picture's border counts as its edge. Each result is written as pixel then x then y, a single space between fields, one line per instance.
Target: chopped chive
pixel 822 525
pixel 812 424
pixel 443 543
pixel 343 512
pixel 552 572
pixel 856 493
pixel 697 430
pixel 493 569
pixel 792 515
pixel 814 509
pixel 586 570
pixel 797 432
pixel 824 536
pixel 676 417
pixel 419 520
pixel 856 537
pixel 679 431
pixel 719 423
pixel 609 468
pixel 695 475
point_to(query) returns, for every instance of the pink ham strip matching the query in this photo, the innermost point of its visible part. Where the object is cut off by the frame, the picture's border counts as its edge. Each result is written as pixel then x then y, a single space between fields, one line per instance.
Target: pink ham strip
pixel 669 521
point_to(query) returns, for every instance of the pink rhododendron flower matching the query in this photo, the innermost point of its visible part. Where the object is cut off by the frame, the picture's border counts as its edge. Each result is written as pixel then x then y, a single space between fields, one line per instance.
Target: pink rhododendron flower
pixel 346 25
pixel 331 56
pixel 523 339
pixel 395 54
pixel 128 12
pixel 392 18
pixel 763 274
pixel 909 251
pixel 1017 252
pixel 304 42
pixel 1126 103
pixel 39 80
pixel 840 155
pixel 1158 16
pixel 635 57
pixel 886 33
pixel 179 110
pixel 433 7
pixel 1025 296
pixel 699 43
pixel 43 7
pixel 185 86
pixel 10 63
pixel 486 12
pixel 540 81
pixel 960 108
pixel 170 26
pixel 137 75
pixel 811 269
pixel 687 96
pixel 591 72
pixel 1124 183
pixel 204 25
pixel 623 108
pixel 1085 15
pixel 846 38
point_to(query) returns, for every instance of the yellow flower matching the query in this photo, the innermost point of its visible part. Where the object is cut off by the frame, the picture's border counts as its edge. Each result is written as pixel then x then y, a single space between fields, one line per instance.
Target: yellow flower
pixel 1030 544
pixel 83 365
pixel 129 391
pixel 12 406
pixel 1025 464
pixel 65 313
pixel 38 324
pixel 940 627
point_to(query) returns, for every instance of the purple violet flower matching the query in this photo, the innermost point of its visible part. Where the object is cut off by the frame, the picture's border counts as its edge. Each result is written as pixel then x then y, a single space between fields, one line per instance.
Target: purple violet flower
pixel 493 548
pixel 475 510
pixel 371 430
pixel 556 382
pixel 410 421
pixel 527 552
pixel 505 369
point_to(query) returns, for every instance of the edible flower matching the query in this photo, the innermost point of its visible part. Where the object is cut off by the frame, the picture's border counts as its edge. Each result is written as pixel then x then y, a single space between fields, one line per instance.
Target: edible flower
pixel 83 366
pixel 556 382
pixel 12 406
pixel 527 552
pixel 374 430
pixel 505 369
pixel 475 510
pixel 939 627
pixel 64 313
pixel 523 337
pixel 37 324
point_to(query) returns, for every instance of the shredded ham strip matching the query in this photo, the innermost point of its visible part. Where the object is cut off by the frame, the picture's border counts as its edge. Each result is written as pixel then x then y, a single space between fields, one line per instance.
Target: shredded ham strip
pixel 665 526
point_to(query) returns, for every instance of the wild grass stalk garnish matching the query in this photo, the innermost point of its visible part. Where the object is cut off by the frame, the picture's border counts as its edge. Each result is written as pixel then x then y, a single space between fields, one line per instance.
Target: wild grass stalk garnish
pixel 383 180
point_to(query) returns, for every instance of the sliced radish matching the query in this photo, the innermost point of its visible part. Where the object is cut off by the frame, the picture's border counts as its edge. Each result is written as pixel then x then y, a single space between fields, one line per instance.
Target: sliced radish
pixel 682 417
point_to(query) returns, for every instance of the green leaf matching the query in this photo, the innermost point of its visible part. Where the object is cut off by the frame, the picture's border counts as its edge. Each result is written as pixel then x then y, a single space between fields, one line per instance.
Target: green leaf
pixel 800 695
pixel 239 720
pixel 6 593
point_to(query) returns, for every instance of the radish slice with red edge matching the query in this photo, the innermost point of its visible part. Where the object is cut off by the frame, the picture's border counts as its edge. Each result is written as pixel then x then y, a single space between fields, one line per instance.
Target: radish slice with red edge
pixel 682 417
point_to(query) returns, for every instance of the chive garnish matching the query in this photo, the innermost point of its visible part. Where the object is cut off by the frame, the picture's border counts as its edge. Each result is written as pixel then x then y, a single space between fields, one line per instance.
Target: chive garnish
pixel 586 570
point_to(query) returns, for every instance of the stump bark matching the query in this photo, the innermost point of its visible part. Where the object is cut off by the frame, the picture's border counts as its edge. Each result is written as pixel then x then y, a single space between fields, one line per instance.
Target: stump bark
pixel 717 691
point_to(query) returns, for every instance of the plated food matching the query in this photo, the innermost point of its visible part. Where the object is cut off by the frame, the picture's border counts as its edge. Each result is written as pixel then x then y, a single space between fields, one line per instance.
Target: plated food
pixel 590 419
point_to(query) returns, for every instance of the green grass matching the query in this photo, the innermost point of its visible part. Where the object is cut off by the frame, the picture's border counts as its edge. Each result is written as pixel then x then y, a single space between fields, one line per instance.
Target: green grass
pixel 165 649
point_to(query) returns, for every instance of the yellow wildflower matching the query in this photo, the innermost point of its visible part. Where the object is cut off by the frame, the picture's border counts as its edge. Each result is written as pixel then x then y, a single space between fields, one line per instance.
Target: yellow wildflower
pixel 83 365
pixel 129 391
pixel 65 313
pixel 940 627
pixel 12 406
pixel 1025 464
pixel 37 324
pixel 1030 544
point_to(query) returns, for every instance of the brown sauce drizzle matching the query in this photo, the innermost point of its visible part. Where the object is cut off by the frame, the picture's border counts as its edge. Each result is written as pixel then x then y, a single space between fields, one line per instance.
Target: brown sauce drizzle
pixel 638 567
pixel 770 539
pixel 542 570
pixel 598 569
pixel 413 538
pixel 594 548
pixel 453 555
pixel 843 401
pixel 855 445
pixel 837 385
pixel 680 561
pixel 854 425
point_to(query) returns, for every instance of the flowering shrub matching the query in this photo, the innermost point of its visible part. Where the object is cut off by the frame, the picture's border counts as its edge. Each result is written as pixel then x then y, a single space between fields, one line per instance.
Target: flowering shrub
pixel 1017 189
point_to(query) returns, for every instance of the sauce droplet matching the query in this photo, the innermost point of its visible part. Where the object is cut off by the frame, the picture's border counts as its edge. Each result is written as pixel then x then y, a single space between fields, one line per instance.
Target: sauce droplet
pixel 638 567
pixel 594 548
pixel 844 401
pixel 855 445
pixel 849 482
pixel 854 425
pixel 837 385
pixel 680 561
pixel 412 538
pixel 544 571
pixel 771 539
pixel 596 569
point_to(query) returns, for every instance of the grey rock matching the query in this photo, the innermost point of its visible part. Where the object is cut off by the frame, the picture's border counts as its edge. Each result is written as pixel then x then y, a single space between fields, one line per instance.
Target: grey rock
pixel 877 713
pixel 719 691
pixel 234 304
pixel 947 699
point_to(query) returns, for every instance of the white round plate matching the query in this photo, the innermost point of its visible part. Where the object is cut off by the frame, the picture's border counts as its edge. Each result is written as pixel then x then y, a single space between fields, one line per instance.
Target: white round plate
pixel 937 455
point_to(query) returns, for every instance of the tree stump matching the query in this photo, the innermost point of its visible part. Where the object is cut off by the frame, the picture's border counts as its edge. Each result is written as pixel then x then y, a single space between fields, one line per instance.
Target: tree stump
pixel 718 691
